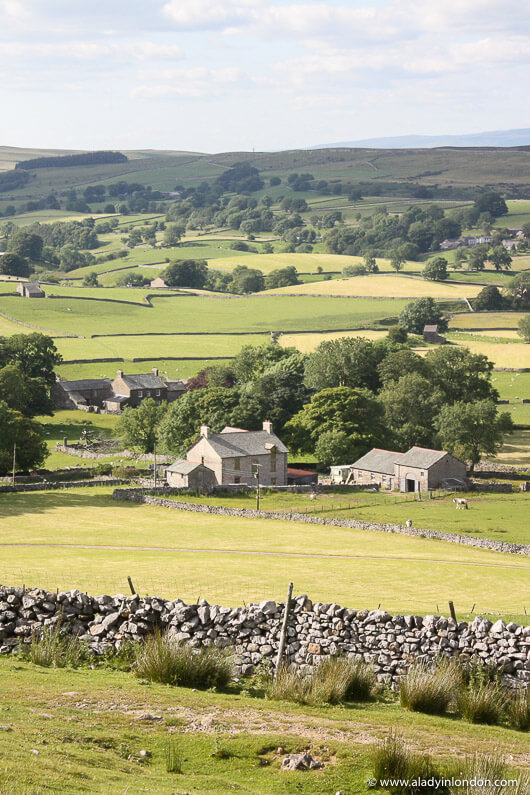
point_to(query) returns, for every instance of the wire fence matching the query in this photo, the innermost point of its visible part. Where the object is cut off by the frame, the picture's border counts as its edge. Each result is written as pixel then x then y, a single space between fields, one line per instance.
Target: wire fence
pixel 230 592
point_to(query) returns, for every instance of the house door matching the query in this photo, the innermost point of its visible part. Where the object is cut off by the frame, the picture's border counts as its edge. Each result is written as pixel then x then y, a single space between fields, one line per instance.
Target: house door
pixel 410 485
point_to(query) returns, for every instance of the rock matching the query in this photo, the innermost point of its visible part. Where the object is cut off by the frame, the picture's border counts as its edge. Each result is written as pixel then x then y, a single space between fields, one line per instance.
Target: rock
pixel 6 729
pixel 302 761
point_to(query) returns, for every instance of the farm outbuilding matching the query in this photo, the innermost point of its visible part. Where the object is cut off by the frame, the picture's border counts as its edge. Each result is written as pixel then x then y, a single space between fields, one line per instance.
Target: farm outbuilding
pixel 187 475
pixel 419 469
pixel 30 290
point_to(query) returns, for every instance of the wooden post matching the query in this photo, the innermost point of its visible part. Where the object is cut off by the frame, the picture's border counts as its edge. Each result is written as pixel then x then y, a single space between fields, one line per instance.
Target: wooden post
pixel 131 586
pixel 283 634
pixel 452 611
pixel 14 462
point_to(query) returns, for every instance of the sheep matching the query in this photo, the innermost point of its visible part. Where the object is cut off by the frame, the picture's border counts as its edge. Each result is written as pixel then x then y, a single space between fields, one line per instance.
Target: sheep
pixel 460 503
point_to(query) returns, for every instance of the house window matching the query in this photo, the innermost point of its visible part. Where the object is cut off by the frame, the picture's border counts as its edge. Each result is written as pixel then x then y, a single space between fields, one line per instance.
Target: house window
pixel 140 393
pixel 423 473
pixel 148 393
pixel 202 459
pixel 237 463
pixel 237 480
pixel 372 476
pixel 158 393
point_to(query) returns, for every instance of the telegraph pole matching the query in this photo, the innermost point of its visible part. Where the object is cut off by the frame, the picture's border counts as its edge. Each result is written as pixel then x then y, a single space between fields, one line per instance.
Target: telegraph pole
pixel 14 461
pixel 256 475
pixel 154 465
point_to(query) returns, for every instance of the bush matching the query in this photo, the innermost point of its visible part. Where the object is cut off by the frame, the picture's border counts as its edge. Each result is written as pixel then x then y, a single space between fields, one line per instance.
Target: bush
pixel 335 680
pixel 159 659
pixel 430 689
pixel 393 760
pixel 124 472
pixel 102 469
pixel 53 648
pixel 519 710
pixel 481 703
pixel 483 769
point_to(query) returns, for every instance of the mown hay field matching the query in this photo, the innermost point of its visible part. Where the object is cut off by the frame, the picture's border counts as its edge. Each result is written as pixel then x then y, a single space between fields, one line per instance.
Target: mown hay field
pixel 382 285
pixel 486 320
pixel 225 559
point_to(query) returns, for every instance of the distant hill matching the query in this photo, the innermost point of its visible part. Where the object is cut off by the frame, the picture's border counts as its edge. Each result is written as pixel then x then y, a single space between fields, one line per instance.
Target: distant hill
pixel 496 138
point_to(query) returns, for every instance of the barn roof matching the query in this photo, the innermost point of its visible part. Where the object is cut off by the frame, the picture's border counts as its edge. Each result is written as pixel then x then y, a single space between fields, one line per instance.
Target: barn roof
pixel 182 466
pixel 381 461
pixel 143 381
pixel 421 457
pixel 85 383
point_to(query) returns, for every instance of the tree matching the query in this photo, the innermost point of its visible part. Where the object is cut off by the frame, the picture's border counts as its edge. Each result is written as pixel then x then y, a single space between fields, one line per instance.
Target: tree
pixel 28 435
pixel 518 290
pixel 524 328
pixel 137 427
pixel 477 257
pixel 411 427
pixel 254 360
pixel 470 430
pixel 246 280
pixel 460 375
pixel 436 269
pixel 212 406
pixel 25 244
pixel 399 363
pixel 488 298
pixel 491 202
pixel 14 265
pixel 334 447
pixel 500 258
pixel 370 263
pixel 282 277
pixel 27 395
pixel 347 361
pixel 420 313
pixel 355 412
pixel 186 273
pixel 173 234
pixel 91 280
pixel 36 355
pixel 397 260
pixel 397 334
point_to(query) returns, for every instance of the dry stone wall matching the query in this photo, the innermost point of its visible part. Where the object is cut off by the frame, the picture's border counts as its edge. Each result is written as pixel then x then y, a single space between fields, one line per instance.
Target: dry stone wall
pixel 143 496
pixel 314 630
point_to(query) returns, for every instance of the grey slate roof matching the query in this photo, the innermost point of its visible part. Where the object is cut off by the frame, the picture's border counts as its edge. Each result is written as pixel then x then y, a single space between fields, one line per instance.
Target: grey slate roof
pixel 176 386
pixel 144 381
pixel 421 457
pixel 33 288
pixel 242 443
pixel 381 461
pixel 430 329
pixel 182 466
pixel 85 383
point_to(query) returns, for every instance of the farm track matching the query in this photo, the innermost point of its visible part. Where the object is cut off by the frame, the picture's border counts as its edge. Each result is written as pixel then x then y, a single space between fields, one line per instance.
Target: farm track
pixel 264 554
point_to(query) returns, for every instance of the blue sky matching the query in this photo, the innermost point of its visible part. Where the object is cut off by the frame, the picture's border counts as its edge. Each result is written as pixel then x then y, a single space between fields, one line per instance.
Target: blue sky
pixel 214 76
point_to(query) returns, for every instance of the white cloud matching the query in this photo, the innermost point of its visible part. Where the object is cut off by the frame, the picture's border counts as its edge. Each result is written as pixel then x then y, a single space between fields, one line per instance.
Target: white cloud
pixel 210 14
pixel 92 50
pixel 195 82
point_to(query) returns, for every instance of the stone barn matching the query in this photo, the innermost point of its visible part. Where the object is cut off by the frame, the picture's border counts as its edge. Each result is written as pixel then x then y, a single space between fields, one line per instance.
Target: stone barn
pixel 419 469
pixel 184 474
pixel 430 334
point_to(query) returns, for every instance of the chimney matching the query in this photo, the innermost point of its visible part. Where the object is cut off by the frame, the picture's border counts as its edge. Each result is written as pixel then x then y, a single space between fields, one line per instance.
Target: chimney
pixel 205 431
pixel 155 370
pixel 267 426
pixel 119 374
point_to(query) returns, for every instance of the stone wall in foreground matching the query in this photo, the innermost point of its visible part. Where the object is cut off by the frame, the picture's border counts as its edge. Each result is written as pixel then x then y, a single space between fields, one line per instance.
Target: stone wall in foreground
pixel 314 630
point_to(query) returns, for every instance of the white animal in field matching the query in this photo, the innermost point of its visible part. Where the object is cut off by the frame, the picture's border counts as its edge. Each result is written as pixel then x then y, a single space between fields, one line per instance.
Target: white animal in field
pixel 312 496
pixel 460 503
pixel 408 523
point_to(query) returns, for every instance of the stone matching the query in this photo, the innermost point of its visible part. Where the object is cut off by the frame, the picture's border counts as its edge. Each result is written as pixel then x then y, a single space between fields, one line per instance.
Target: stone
pixel 314 648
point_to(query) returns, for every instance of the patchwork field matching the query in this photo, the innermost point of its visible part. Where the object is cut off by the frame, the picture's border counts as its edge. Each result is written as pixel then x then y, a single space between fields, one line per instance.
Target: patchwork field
pixel 225 560
pixel 382 285
pixel 486 320
pixel 307 343
pixel 170 368
pixel 502 354
pixel 191 314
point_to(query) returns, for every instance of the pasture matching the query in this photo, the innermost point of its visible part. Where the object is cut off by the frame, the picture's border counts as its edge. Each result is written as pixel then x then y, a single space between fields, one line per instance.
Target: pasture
pixel 308 342
pixel 382 285
pixel 502 354
pixel 485 320
pixel 225 560
pixel 191 314
pixel 170 368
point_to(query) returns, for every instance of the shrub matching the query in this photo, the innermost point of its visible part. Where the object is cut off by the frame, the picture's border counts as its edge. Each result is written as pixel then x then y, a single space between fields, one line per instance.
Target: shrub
pixel 481 703
pixel 430 689
pixel 519 710
pixel 483 770
pixel 51 647
pixel 124 472
pixel 103 469
pixel 174 757
pixel 159 659
pixel 393 760
pixel 335 680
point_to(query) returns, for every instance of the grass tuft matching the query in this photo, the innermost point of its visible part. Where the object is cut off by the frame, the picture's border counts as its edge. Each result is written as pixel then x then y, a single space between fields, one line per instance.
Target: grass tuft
pixel 335 680
pixel 430 689
pixel 394 760
pixel 53 648
pixel 159 659
pixel 174 757
pixel 519 710
pixel 484 770
pixel 482 702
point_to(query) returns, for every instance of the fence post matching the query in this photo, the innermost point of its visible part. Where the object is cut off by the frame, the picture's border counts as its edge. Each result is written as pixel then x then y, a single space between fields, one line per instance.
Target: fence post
pixel 131 586
pixel 283 634
pixel 452 611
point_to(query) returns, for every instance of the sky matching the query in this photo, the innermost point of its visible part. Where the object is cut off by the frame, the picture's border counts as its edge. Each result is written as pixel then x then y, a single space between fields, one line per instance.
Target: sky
pixel 208 76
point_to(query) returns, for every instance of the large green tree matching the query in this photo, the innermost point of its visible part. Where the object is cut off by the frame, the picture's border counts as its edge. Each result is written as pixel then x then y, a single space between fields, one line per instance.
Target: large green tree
pixel 411 405
pixel 422 312
pixel 488 298
pixel 36 355
pixel 14 265
pixel 137 427
pixel 436 269
pixel 28 435
pixel 470 430
pixel 399 363
pixel 214 406
pixel 347 361
pixel 355 412
pixel 186 273
pixel 491 202
pixel 460 375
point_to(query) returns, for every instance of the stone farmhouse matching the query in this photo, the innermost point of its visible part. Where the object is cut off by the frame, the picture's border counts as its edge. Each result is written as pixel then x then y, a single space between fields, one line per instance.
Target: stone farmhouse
pixel 112 396
pixel 30 290
pixel 158 282
pixel 234 456
pixel 419 469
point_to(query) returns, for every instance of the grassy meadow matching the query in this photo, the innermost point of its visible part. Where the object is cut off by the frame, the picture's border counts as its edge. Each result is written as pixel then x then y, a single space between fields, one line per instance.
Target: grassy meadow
pixel 226 560
pixel 382 285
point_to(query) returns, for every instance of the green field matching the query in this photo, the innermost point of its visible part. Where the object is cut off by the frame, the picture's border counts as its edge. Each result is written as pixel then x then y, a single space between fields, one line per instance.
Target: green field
pixel 486 320
pixel 193 313
pixel 84 723
pixel 382 285
pixel 224 560
pixel 70 424
pixel 170 368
